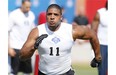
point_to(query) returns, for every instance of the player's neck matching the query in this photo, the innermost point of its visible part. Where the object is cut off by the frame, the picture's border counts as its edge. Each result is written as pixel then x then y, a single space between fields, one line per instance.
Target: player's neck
pixel 54 28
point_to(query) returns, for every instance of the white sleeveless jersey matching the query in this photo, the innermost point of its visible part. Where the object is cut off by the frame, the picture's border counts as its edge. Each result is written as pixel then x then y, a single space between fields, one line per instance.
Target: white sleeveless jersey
pixel 55 50
pixel 103 26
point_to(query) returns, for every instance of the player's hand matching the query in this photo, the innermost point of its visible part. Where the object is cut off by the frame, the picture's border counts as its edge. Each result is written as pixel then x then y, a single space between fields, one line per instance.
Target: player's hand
pixel 95 63
pixel 39 40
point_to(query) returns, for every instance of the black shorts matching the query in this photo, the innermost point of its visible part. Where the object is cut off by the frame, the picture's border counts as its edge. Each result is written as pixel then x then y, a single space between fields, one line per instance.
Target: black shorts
pixel 20 66
pixel 70 72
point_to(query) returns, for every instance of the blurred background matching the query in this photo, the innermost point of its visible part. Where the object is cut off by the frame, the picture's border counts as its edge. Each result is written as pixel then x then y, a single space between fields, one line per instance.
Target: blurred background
pixel 71 7
pixel 81 52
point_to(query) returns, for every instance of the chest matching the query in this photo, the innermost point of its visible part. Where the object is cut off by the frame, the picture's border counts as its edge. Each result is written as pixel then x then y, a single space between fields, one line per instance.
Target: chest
pixel 58 44
pixel 21 21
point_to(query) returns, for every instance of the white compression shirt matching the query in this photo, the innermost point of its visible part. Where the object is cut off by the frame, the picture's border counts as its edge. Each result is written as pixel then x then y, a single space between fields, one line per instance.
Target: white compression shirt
pixel 55 50
pixel 19 27
pixel 103 26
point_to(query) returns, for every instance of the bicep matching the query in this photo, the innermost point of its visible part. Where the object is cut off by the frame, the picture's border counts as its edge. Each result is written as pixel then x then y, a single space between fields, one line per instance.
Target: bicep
pixel 83 32
pixel 29 43
pixel 78 32
pixel 31 39
pixel 95 22
pixel 88 34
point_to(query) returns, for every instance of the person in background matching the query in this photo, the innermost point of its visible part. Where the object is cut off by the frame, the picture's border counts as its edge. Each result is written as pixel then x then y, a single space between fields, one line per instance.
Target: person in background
pixel 100 26
pixel 81 20
pixel 42 18
pixel 21 22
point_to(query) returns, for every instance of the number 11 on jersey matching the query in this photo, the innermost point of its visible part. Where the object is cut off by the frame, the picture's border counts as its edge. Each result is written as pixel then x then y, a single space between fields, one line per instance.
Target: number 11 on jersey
pixel 51 51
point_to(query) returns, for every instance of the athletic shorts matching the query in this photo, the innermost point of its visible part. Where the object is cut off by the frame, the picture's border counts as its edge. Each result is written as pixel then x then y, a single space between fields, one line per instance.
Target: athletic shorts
pixel 20 66
pixel 70 72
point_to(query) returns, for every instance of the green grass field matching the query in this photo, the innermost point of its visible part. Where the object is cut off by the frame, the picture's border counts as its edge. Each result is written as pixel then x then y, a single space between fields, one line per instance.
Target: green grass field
pixel 84 69
pixel 81 69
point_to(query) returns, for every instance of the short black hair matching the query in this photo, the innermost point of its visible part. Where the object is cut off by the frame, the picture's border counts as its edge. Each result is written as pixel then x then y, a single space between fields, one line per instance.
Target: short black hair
pixel 25 1
pixel 55 6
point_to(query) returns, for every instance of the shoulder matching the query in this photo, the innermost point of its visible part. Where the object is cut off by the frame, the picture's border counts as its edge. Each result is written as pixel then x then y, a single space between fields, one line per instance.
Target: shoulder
pixel 101 10
pixel 14 13
pixel 34 33
pixel 31 13
pixel 82 28
pixel 78 28
pixel 41 27
pixel 34 30
pixel 66 24
pixel 82 32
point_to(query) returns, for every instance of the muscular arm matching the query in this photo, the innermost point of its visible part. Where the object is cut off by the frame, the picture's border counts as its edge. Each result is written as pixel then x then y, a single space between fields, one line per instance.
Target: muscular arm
pixel 28 48
pixel 95 22
pixel 83 32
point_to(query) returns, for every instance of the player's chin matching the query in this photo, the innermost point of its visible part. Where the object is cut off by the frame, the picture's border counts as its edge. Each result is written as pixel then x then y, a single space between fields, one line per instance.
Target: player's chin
pixel 52 24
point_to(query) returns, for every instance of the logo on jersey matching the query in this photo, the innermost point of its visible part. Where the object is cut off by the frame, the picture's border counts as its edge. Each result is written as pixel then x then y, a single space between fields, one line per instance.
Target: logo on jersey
pixel 55 40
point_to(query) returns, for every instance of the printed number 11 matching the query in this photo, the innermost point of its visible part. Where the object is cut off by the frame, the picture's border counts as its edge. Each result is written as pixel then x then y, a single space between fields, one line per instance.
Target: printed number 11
pixel 51 51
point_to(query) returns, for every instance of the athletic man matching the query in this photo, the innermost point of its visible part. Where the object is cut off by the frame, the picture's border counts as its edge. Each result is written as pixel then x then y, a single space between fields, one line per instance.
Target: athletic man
pixel 100 26
pixel 21 22
pixel 54 41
